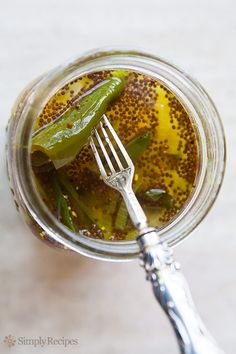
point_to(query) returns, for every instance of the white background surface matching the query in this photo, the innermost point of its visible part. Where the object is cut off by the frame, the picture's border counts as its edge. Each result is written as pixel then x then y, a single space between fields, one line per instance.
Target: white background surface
pixel 110 307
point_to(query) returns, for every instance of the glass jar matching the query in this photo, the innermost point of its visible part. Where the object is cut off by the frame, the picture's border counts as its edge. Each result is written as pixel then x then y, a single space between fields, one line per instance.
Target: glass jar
pixel 206 121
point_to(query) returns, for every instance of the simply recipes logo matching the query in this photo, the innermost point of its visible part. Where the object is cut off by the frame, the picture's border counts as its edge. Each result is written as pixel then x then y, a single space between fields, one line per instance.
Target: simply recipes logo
pixel 11 341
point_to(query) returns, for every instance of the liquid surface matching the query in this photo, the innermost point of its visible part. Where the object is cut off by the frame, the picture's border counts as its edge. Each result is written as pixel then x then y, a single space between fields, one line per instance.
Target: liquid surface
pixel 154 125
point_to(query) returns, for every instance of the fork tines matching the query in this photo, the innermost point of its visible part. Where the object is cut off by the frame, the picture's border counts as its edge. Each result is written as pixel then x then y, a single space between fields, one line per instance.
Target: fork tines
pixel 109 157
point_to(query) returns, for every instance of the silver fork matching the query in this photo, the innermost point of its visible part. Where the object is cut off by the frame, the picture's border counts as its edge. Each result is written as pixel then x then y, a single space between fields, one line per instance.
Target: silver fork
pixel 169 286
pixel 120 177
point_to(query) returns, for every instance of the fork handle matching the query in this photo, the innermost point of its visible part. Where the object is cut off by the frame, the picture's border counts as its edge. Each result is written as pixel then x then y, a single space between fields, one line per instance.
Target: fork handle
pixel 173 294
pixel 134 209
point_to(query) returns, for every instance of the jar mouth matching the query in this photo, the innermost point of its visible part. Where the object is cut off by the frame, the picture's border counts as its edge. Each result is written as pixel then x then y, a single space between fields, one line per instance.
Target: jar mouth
pixel 206 122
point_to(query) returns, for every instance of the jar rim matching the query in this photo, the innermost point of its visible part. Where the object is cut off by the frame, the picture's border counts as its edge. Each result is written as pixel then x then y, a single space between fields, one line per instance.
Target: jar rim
pixel 192 96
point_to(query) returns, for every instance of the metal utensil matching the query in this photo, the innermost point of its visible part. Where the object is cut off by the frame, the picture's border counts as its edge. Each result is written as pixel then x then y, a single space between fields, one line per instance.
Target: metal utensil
pixel 169 285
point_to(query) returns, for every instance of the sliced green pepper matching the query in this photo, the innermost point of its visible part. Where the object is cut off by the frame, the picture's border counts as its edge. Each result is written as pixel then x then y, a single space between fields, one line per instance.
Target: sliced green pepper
pixel 158 197
pixel 63 139
pixel 70 189
pixel 138 145
pixel 62 206
pixel 121 216
pixel 154 194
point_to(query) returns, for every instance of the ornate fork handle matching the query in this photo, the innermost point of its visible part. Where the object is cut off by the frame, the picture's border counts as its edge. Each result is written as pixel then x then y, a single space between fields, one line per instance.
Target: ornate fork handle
pixel 172 292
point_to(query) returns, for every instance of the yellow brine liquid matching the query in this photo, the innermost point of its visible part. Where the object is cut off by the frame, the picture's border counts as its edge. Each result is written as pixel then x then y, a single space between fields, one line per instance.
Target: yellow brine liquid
pixel 157 130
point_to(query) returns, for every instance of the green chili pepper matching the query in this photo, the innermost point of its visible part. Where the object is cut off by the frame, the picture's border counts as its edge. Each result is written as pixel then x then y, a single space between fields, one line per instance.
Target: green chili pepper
pixel 62 206
pixel 138 145
pixel 70 189
pixel 63 139
pixel 154 194
pixel 159 197
pixel 121 216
